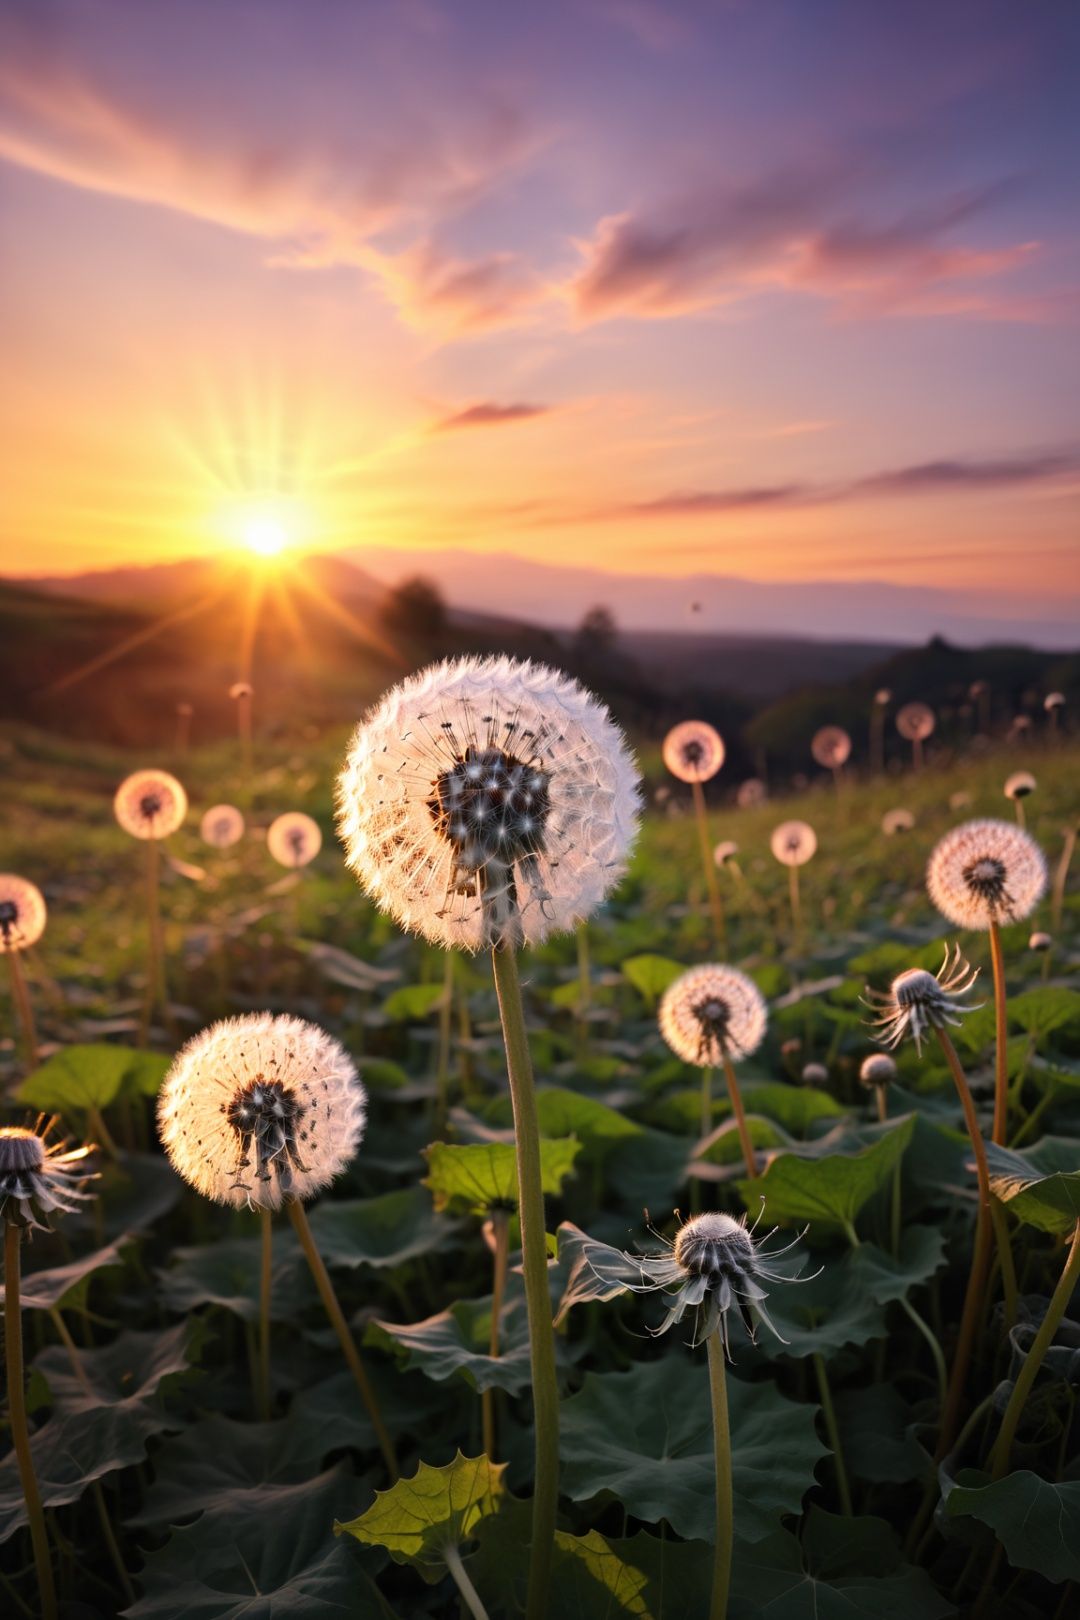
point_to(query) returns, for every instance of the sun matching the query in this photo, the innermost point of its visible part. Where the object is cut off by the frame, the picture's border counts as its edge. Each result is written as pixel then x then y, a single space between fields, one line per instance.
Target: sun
pixel 265 535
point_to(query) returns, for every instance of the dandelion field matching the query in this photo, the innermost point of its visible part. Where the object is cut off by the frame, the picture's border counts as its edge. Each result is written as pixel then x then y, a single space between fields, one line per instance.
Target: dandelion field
pixel 189 1464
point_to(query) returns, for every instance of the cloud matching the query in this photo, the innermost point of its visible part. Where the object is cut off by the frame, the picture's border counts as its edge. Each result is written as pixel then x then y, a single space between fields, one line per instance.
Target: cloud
pixel 487 414
pixel 435 290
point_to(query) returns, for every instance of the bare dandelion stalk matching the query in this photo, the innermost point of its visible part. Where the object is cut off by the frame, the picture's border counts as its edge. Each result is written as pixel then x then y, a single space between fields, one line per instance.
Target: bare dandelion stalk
pixel 500 1228
pixel 1002 1450
pixel 725 1516
pixel 20 1434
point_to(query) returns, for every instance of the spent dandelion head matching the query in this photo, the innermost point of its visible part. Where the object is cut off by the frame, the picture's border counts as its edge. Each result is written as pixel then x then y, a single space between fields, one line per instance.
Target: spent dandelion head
pixel 897 821
pixel 222 826
pixel 878 1069
pixel 693 751
pixel 725 851
pixel 22 913
pixel 1040 941
pixel 259 1109
pixel 712 1012
pixel 814 1074
pixel 751 793
pixel 1053 700
pixel 793 843
pixel 488 803
pixel 1019 785
pixel 241 689
pixel 915 722
pixel 831 747
pixel 985 872
pixel 150 804
pixel 918 1001
pixel 294 839
pixel 39 1177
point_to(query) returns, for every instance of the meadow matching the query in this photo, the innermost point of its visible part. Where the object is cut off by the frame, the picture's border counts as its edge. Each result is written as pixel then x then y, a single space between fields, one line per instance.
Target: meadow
pixel 189 1465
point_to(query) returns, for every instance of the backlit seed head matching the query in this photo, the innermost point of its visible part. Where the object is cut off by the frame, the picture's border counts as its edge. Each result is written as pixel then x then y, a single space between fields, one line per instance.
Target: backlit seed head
pixel 1040 941
pixel 793 843
pixel 39 1178
pixel 915 722
pixel 222 826
pixel 22 913
pixel 294 839
pixel 878 1069
pixel 693 751
pixel 814 1074
pixel 751 793
pixel 150 804
pixel 260 1109
pixel 712 1010
pixel 725 851
pixel 985 872
pixel 831 747
pixel 1053 700
pixel 488 802
pixel 1019 785
pixel 918 1001
pixel 897 821
pixel 241 689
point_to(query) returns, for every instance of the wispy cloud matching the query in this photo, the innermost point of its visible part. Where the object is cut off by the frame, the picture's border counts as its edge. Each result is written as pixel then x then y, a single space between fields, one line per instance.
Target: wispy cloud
pixel 436 290
pixel 487 414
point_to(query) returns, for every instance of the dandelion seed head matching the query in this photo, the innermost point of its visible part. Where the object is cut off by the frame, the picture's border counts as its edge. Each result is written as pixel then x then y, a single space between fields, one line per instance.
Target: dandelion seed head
pixel 725 851
pixel 897 821
pixel 259 1109
pixel 985 872
pixel 793 843
pixel 751 793
pixel 814 1074
pixel 915 722
pixel 831 747
pixel 150 804
pixel 714 1244
pixel 1019 785
pixel 878 1069
pixel 882 697
pixel 1021 723
pixel 241 689
pixel 918 1001
pixel 294 839
pixel 1053 700
pixel 1040 941
pixel 712 1010
pixel 693 751
pixel 222 826
pixel 488 802
pixel 22 913
pixel 39 1178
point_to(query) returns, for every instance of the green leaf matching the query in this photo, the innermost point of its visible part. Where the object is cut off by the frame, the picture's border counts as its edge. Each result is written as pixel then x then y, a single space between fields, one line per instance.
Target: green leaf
pixel 413 1003
pixel 646 1436
pixel 777 1579
pixel 457 1340
pixel 475 1177
pixel 84 1077
pixel 41 1290
pixel 568 1113
pixel 1046 1008
pixel 828 1190
pixel 794 1107
pixel 386 1231
pixel 1050 1202
pixel 651 975
pixel 1037 1522
pixel 226 1274
pixel 419 1518
pixel 886 1277
pixel 874 1434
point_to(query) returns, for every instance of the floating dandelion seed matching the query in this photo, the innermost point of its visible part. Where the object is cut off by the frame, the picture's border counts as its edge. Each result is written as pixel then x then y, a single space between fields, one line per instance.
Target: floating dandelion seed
pixel 39 1178
pixel 222 826
pixel 150 804
pixel 488 802
pixel 693 751
pixel 918 1001
pixel 984 873
pixel 897 821
pixel 261 1108
pixel 22 914
pixel 294 839
pixel 831 747
pixel 751 793
pixel 793 843
pixel 711 1010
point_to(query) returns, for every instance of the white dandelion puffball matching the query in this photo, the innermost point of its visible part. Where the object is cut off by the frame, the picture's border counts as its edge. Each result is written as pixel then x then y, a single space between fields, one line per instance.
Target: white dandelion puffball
pixel 712 1011
pixel 150 804
pixel 1019 785
pixel 22 913
pixel 488 803
pixel 294 839
pixel 751 793
pixel 882 697
pixel 986 872
pixel 897 821
pixel 260 1109
pixel 725 851
pixel 831 747
pixel 915 722
pixel 1040 941
pixel 793 843
pixel 241 689
pixel 1053 700
pixel 693 751
pixel 222 826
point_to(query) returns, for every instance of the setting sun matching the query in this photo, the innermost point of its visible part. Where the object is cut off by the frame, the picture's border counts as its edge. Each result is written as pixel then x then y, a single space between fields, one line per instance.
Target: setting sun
pixel 265 535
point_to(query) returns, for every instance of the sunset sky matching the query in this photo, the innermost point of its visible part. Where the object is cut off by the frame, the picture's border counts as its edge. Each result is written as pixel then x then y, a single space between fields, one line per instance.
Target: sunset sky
pixel 779 289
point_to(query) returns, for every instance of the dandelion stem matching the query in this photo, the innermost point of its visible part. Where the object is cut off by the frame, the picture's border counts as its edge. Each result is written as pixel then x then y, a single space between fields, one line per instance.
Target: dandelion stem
pixel 740 1116
pixel 1061 877
pixel 706 1100
pixel 897 1179
pixel 298 1216
pixel 266 1272
pixel 980 1260
pixel 469 1595
pixel 155 970
pixel 442 1062
pixel 796 908
pixel 20 1434
pixel 716 904
pixel 1002 1451
pixel 535 1269
pixel 584 981
pixel 722 1463
pixel 833 1431
pixel 500 1225
pixel 1005 1257
pixel 20 996
pixel 1001 1039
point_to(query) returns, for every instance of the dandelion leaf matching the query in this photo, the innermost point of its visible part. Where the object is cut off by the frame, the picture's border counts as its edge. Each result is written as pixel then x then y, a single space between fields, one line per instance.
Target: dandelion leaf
pixel 476 1177
pixel 389 1230
pixel 419 1518
pixel 1036 1520
pixel 831 1189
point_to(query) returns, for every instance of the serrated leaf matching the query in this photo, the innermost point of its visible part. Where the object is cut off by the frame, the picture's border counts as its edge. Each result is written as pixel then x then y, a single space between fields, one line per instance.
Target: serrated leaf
pixel 85 1077
pixel 386 1231
pixel 1036 1521
pixel 646 1436
pixel 826 1190
pixel 419 1518
pixel 565 1113
pixel 651 975
pixel 476 1177
pixel 1050 1202
pixel 41 1290
pixel 457 1341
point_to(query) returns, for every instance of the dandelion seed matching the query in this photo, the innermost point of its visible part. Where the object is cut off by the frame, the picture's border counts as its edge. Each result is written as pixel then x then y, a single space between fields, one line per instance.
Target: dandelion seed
pixel 693 751
pixel 897 821
pixel 22 914
pixel 294 839
pixel 488 803
pixel 39 1178
pixel 986 873
pixel 150 804
pixel 222 826
pixel 831 747
pixel 751 793
pixel 918 1001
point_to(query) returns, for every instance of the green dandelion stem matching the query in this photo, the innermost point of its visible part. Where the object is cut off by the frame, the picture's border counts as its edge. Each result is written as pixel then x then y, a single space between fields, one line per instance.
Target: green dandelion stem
pixel 266 1272
pixel 740 1116
pixel 1002 1450
pixel 442 1061
pixel 1061 877
pixel 460 1577
pixel 832 1429
pixel 20 1434
pixel 712 886
pixel 1001 1038
pixel 20 997
pixel 535 1269
pixel 724 1495
pixel 500 1225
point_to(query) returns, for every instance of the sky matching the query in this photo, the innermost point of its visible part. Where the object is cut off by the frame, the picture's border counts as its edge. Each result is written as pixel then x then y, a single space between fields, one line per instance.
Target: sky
pixel 762 288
